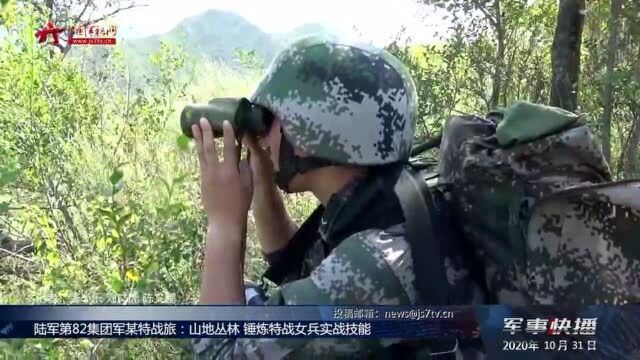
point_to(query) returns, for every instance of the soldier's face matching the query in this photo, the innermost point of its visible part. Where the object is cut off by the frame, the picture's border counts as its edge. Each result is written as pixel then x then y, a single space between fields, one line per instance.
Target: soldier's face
pixel 272 140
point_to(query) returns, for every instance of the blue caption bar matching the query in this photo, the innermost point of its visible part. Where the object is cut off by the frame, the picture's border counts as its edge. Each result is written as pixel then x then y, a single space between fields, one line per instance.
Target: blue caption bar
pixel 222 329
pixel 230 313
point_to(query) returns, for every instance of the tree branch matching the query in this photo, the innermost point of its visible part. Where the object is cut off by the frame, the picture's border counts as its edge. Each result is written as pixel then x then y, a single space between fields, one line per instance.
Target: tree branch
pixel 89 22
pixel 86 6
pixel 11 253
pixel 489 16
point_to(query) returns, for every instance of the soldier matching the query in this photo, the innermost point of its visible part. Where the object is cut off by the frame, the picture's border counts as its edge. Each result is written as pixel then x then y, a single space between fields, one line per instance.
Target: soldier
pixel 344 115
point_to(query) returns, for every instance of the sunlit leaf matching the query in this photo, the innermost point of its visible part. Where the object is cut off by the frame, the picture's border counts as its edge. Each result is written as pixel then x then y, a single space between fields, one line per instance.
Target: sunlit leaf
pixel 52 258
pixel 64 293
pixel 183 142
pixel 101 244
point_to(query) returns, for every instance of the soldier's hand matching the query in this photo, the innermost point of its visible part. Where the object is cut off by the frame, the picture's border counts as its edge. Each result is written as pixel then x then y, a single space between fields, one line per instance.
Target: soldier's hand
pixel 261 166
pixel 225 185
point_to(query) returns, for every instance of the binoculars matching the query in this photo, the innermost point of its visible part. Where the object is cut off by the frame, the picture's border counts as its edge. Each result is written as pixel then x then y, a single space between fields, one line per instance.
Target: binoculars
pixel 244 115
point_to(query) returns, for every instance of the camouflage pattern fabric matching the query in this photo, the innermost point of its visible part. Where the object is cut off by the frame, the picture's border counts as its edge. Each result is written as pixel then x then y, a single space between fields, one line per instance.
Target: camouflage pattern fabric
pixel 348 103
pixel 583 245
pixel 369 266
pixel 567 250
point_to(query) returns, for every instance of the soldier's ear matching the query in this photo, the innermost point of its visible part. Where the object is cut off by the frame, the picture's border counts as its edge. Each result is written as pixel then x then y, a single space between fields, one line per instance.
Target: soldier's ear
pixel 272 141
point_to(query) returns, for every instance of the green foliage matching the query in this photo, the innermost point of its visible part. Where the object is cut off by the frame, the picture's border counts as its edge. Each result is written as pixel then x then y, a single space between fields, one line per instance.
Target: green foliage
pixel 95 177
pixel 249 59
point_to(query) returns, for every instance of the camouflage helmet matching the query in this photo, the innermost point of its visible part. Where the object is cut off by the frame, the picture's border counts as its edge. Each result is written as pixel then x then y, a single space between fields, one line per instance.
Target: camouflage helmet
pixel 345 103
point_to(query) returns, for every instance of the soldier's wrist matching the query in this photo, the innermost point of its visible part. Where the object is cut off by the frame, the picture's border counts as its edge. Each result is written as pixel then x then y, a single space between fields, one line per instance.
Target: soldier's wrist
pixel 227 235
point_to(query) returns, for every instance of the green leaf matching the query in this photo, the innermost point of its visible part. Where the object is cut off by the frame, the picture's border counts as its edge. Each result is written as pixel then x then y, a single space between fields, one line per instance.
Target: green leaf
pixel 183 142
pixel 124 218
pixel 64 293
pixel 101 244
pixel 165 183
pixel 4 2
pixel 151 268
pixel 52 258
pixel 116 176
pixel 116 283
pixel 142 284
pixel 7 176
pixel 105 211
pixel 86 344
pixel 4 207
pixel 180 179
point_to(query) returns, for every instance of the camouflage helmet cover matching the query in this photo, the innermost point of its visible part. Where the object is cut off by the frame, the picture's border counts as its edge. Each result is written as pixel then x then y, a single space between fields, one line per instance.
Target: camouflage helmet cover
pixel 352 104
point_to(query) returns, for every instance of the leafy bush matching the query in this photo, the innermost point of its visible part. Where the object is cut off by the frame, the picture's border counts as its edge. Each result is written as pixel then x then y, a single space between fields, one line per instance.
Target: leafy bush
pixel 95 178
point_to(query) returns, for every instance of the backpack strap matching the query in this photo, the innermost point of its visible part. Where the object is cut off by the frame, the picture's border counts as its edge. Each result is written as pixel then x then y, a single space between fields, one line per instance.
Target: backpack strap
pixel 293 254
pixel 418 208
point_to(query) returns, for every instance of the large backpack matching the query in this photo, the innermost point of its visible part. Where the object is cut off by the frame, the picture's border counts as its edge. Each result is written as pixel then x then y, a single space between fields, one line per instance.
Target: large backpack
pixel 530 190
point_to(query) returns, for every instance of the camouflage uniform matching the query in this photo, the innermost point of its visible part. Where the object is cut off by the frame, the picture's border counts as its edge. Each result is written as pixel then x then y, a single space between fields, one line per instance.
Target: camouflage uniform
pixel 349 105
pixel 353 261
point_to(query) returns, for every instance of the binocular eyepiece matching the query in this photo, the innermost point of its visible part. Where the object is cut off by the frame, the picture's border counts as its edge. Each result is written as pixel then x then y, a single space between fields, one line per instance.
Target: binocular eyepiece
pixel 244 116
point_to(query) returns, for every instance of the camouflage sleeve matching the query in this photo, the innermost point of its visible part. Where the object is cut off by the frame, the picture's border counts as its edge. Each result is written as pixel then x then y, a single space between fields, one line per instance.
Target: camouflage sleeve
pixel 370 267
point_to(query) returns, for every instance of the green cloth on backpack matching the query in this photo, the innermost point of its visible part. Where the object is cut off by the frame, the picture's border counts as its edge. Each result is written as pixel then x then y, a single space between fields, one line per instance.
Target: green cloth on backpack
pixel 524 121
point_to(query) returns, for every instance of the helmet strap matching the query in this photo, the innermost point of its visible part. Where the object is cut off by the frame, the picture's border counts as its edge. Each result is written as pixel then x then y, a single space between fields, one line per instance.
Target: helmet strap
pixel 290 164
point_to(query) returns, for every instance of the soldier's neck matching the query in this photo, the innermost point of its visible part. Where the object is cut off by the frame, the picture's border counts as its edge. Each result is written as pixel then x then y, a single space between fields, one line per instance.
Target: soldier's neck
pixel 326 181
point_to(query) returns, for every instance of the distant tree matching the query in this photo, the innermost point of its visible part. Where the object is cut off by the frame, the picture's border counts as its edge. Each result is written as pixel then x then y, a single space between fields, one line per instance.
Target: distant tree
pixel 627 85
pixel 565 54
pixel 475 18
pixel 608 92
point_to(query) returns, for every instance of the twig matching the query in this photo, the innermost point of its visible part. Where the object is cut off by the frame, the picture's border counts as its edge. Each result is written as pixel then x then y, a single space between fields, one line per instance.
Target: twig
pixel 11 253
pixel 25 247
pixel 93 21
pixel 86 6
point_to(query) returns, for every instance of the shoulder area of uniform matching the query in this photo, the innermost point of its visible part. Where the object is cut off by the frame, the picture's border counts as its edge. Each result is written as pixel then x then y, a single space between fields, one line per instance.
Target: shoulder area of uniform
pixel 393 231
pixel 388 245
pixel 380 257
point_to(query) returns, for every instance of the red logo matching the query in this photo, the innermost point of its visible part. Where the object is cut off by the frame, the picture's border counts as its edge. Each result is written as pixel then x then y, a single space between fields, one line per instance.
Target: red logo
pixel 49 29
